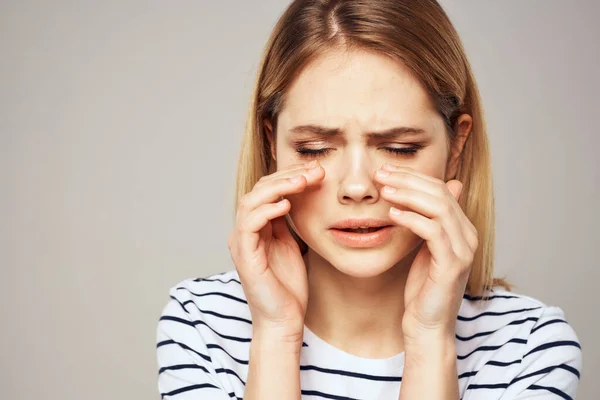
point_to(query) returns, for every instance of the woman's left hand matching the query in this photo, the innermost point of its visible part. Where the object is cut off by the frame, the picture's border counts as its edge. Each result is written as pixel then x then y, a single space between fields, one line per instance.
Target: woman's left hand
pixel 439 273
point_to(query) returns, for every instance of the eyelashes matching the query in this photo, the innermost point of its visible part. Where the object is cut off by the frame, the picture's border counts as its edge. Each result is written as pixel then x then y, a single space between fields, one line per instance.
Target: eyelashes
pixel 396 151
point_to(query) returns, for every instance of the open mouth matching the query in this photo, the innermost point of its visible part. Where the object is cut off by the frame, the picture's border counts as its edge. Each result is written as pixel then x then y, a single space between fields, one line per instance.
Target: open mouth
pixel 362 230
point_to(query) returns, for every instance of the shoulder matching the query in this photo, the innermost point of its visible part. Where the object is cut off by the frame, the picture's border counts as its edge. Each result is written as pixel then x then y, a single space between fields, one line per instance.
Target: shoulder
pixel 223 290
pixel 203 337
pixel 217 302
pixel 518 344
pixel 501 309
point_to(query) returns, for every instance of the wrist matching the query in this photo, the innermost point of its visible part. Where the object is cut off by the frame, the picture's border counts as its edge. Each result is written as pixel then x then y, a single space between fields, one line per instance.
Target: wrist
pixel 438 346
pixel 273 355
pixel 276 341
pixel 430 369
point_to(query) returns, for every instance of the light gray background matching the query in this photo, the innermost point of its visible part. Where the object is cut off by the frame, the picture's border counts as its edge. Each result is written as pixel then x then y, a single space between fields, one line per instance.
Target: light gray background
pixel 119 131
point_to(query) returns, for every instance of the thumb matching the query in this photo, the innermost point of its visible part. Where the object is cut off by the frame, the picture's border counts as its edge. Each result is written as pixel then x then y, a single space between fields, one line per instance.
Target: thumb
pixel 455 187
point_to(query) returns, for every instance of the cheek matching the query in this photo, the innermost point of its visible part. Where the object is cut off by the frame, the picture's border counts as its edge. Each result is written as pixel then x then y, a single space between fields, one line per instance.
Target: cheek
pixel 434 170
pixel 307 206
pixel 286 155
pixel 432 164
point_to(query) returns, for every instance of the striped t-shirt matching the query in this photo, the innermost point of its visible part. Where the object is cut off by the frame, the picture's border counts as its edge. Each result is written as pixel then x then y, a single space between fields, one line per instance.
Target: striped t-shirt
pixel 509 346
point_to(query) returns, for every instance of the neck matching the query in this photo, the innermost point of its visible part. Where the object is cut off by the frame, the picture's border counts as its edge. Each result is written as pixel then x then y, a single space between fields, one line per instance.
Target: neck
pixel 361 316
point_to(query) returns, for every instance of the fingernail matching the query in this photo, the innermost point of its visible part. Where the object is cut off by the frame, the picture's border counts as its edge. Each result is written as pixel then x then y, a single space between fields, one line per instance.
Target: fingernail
pixel 395 211
pixel 389 189
pixel 381 173
pixel 389 167
pixel 311 164
pixel 314 170
pixel 295 179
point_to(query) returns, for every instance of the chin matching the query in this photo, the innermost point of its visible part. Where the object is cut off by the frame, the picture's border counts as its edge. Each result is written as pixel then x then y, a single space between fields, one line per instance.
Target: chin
pixel 367 264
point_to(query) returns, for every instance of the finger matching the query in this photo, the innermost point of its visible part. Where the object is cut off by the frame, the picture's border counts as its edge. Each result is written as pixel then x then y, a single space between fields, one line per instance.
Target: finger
pixel 438 242
pixel 312 175
pixel 397 168
pixel 269 193
pixel 273 190
pixel 413 179
pixel 436 209
pixel 291 171
pixel 250 227
pixel 410 179
pixel 469 231
pixel 421 202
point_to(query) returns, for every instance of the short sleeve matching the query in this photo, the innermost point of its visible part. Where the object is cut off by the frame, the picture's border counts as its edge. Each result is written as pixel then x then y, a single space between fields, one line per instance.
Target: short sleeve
pixel 185 370
pixel 550 366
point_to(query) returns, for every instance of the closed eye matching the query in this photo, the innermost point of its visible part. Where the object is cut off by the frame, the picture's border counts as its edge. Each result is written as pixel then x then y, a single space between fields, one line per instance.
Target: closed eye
pixel 398 151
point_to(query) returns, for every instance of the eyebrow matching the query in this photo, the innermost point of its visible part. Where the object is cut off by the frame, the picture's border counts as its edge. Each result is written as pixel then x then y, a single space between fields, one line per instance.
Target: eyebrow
pixel 395 132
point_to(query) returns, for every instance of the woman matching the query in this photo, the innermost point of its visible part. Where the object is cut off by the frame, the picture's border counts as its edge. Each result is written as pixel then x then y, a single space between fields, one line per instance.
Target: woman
pixel 363 242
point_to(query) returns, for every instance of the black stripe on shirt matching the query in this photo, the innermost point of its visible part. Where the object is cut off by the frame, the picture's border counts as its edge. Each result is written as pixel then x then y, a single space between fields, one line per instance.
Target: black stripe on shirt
pixel 539 372
pixel 551 389
pixel 491 362
pixel 325 395
pixel 185 346
pixel 182 366
pixel 187 389
pixel 467 374
pixel 237 360
pixel 474 386
pixel 515 322
pixel 351 374
pixel 217 280
pixel 193 323
pixel 488 298
pixel 532 387
pixel 213 294
pixel 502 363
pixel 216 314
pixel 547 370
pixel 495 313
pixel 488 348
pixel 199 322
pixel 552 321
pixel 230 372
pixel 550 345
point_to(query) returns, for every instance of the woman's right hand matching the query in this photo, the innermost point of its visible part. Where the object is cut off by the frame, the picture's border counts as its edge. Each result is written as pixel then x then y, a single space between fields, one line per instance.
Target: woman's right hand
pixel 267 257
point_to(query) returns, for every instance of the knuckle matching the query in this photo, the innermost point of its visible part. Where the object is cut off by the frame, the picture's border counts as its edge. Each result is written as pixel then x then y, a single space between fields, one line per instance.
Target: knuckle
pixel 465 257
pixel 475 233
pixel 243 227
pixel 442 188
pixel 244 202
pixel 262 179
pixel 446 208
pixel 438 232
pixel 474 241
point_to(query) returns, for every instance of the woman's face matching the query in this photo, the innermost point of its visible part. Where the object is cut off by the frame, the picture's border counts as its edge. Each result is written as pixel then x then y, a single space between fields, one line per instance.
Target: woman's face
pixel 357 94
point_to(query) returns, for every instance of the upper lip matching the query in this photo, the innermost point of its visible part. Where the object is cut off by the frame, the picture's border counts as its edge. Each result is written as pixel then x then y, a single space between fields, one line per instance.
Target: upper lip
pixel 354 223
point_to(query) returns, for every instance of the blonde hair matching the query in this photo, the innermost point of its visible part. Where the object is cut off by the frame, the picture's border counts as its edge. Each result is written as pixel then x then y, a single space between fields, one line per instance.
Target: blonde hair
pixel 417 33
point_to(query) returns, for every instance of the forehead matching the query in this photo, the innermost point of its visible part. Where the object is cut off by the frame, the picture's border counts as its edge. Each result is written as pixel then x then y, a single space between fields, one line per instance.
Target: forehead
pixel 358 88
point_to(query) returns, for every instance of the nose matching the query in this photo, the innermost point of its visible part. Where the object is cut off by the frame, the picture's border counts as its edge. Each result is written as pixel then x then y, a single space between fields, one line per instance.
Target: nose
pixel 356 178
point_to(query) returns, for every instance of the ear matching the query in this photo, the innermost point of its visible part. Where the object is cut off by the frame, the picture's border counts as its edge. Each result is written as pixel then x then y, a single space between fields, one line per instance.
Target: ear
pixel 463 127
pixel 268 127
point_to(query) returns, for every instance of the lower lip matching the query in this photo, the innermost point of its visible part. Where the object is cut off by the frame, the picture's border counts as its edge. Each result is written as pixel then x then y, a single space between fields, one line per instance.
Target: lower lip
pixel 361 240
